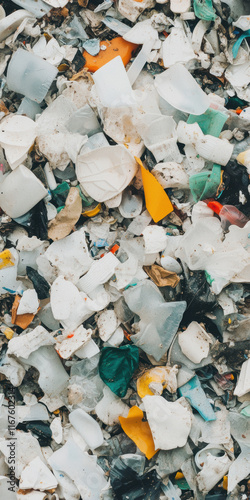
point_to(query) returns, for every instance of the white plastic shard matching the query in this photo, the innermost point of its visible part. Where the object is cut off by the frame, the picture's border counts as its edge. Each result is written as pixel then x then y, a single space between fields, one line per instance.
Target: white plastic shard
pixel 37 475
pixel 99 273
pixel 17 134
pixel 243 383
pixel 87 427
pixel 195 342
pixel 171 175
pixel 112 84
pixel 107 322
pixel 131 10
pixel 170 423
pixel 110 408
pixel 65 263
pixel 57 4
pixel 214 468
pixel 38 8
pixel 29 302
pixel 88 350
pixel 105 172
pixel 27 448
pixel 238 470
pixel 70 342
pixel 25 344
pixel 214 149
pixel 10 23
pixel 160 138
pixel 177 48
pixel 69 306
pixel 20 191
pixel 155 239
pixel 53 377
pixel 179 6
pixel 81 468
pixel 178 87
pixel 57 430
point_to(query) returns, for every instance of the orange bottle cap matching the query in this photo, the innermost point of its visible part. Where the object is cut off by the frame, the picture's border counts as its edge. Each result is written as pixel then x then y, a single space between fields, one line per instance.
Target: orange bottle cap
pixel 215 206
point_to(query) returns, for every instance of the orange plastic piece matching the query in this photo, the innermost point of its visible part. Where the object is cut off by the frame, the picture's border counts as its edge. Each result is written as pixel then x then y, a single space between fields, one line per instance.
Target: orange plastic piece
pixel 157 374
pixel 115 248
pixel 215 206
pixel 114 48
pixel 138 431
pixel 158 203
pixel 22 320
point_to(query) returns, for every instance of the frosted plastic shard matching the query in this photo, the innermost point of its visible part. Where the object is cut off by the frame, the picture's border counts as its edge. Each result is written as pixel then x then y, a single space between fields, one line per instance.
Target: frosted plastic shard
pixel 159 319
pixel 71 342
pixel 194 342
pixel 100 272
pixel 53 378
pixel 38 476
pixel 29 303
pixel 105 172
pixel 30 75
pixel 17 134
pixel 20 191
pixel 81 468
pixel 177 48
pixel 177 86
pixel 107 323
pixel 170 423
pixel 243 384
pixel 38 8
pixel 9 23
pixel 112 84
pixel 110 408
pixel 87 427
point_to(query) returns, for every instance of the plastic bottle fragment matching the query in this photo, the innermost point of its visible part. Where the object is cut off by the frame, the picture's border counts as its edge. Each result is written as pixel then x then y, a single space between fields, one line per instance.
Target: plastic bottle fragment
pixel 139 431
pixel 112 84
pixel 177 86
pixel 194 342
pixel 228 215
pixel 39 9
pixel 87 427
pixel 9 23
pixel 30 75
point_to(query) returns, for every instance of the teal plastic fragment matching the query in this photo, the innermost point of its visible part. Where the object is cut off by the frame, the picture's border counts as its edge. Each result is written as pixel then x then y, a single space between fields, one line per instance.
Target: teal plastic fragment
pixel 203 9
pixel 193 391
pixel 116 367
pixel 205 184
pixel 246 411
pixel 238 43
pixel 211 122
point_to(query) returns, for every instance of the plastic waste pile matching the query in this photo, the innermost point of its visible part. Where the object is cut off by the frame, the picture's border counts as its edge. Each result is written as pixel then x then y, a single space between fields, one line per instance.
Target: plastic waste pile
pixel 124 249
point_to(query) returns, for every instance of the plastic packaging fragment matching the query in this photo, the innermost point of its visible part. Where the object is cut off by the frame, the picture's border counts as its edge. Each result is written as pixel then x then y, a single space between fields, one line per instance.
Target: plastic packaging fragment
pixel 193 391
pixel 117 366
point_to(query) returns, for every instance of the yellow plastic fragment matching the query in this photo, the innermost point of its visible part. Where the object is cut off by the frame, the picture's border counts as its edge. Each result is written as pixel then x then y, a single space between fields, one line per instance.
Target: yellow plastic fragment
pixel 225 481
pixel 157 375
pixel 8 332
pixel 179 475
pixel 93 211
pixel 157 201
pixel 5 259
pixel 138 431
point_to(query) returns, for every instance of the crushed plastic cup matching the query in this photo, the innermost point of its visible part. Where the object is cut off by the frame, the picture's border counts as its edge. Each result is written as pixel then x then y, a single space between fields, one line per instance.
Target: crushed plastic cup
pixel 28 189
pixel 105 172
pixel 178 87
pixel 30 75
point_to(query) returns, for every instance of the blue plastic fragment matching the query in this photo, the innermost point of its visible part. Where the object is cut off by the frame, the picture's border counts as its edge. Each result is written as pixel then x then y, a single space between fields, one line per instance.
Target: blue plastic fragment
pixel 238 43
pixel 193 391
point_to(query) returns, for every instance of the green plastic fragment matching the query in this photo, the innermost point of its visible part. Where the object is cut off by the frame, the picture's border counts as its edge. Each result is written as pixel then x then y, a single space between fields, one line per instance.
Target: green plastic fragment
pixel 182 484
pixel 246 411
pixel 211 122
pixel 205 184
pixel 116 367
pixel 85 201
pixel 203 9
